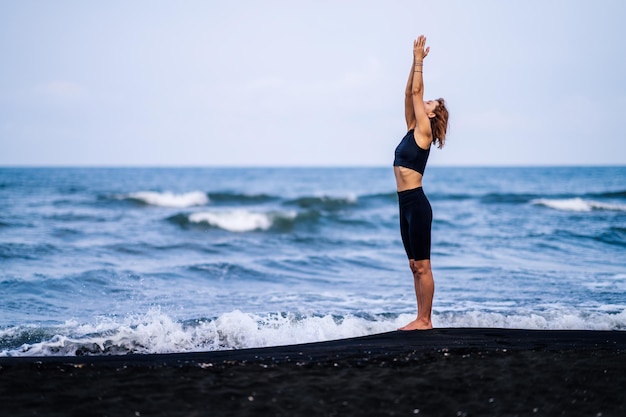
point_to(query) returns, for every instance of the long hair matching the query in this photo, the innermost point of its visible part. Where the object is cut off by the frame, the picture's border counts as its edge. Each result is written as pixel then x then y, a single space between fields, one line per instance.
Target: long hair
pixel 439 123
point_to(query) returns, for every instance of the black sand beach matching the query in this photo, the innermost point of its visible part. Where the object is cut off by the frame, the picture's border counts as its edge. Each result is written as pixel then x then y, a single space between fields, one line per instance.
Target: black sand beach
pixel 441 372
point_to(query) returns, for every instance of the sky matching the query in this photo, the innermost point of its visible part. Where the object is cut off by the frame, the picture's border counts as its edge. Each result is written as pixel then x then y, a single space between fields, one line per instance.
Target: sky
pixel 308 83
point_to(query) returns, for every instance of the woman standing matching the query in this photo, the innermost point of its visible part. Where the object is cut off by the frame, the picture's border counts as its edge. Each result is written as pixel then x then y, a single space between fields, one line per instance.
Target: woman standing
pixel 427 122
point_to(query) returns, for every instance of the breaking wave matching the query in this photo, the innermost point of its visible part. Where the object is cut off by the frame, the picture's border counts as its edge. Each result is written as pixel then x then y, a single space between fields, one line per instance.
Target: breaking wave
pixel 156 332
pixel 167 199
pixel 241 220
pixel 577 204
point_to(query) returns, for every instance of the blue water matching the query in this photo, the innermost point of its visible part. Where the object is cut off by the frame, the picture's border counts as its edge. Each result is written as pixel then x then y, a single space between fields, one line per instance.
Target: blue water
pixel 111 261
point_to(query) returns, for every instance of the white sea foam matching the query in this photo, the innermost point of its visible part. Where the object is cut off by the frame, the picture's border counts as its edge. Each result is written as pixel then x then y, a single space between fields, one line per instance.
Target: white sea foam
pixel 239 220
pixel 577 204
pixel 168 199
pixel 554 320
pixel 156 332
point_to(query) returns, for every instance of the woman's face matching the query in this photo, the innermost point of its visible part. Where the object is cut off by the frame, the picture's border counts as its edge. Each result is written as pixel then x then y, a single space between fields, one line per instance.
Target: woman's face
pixel 430 106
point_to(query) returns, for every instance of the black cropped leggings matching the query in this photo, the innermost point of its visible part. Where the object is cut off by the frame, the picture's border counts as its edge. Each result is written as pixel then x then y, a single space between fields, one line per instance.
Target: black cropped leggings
pixel 416 217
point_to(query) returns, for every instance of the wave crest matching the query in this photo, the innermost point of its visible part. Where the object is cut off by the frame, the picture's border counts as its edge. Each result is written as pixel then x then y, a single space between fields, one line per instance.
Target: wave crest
pixel 577 204
pixel 242 220
pixel 168 199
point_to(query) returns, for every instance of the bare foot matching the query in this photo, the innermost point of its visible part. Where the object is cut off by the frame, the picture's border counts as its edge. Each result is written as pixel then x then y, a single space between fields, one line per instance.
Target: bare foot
pixel 417 324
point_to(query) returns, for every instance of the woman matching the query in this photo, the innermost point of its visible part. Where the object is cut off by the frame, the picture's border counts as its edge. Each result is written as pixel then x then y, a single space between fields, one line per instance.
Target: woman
pixel 427 122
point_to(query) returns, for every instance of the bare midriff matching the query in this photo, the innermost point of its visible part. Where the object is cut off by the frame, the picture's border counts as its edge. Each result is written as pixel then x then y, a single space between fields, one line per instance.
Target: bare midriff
pixel 407 178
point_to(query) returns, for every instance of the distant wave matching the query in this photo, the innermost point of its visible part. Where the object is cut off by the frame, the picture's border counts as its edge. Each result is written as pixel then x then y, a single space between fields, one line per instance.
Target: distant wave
pixel 507 198
pixel 577 204
pixel 71 216
pixel 228 271
pixel 614 236
pixel 26 250
pixel 324 202
pixel 381 196
pixel 446 196
pixel 241 220
pixel 611 194
pixel 157 332
pixel 230 197
pixel 168 199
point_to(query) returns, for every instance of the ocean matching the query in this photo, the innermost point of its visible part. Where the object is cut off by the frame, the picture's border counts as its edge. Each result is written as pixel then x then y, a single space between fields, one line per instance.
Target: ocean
pixel 97 261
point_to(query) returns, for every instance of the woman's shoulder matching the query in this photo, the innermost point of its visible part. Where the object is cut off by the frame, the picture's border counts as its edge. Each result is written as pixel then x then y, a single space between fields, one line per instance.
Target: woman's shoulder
pixel 423 140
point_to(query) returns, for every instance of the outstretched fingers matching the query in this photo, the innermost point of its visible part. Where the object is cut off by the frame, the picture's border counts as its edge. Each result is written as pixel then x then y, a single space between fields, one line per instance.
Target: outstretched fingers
pixel 419 47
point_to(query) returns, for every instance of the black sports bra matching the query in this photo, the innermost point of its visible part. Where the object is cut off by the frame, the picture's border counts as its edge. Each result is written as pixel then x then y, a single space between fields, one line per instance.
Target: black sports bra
pixel 410 155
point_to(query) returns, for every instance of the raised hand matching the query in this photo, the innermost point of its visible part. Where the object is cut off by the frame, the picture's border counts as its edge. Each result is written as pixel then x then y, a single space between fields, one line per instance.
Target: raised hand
pixel 420 51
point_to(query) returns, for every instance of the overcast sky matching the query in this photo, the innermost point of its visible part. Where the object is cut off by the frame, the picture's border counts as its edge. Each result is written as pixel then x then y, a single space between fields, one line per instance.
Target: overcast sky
pixel 312 83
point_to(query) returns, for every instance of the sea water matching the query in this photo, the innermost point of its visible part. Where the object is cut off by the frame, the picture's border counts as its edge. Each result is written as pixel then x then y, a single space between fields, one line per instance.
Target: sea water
pixel 151 260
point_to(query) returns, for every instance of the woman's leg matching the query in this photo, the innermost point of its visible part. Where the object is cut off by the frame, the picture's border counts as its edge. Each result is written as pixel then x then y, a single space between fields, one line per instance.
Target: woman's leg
pixel 416 221
pixel 424 292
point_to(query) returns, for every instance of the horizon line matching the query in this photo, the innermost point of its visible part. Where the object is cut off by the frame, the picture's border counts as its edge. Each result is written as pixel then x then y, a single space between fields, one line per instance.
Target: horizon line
pixel 252 166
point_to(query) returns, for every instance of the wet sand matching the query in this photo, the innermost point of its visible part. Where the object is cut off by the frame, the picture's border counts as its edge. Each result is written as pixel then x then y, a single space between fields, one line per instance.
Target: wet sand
pixel 441 372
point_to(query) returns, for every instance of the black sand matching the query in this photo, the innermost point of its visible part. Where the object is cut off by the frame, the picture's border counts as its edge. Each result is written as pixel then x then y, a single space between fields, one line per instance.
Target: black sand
pixel 442 372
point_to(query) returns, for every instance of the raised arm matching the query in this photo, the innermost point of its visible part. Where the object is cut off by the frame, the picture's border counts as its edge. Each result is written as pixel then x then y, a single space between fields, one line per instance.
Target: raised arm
pixel 409 113
pixel 423 133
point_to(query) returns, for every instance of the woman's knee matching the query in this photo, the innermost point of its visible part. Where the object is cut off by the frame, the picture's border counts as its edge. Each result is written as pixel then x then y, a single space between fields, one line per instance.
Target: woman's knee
pixel 421 267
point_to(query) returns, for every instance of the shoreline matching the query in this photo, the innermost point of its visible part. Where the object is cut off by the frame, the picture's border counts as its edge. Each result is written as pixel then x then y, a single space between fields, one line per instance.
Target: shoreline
pixel 460 371
pixel 385 344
